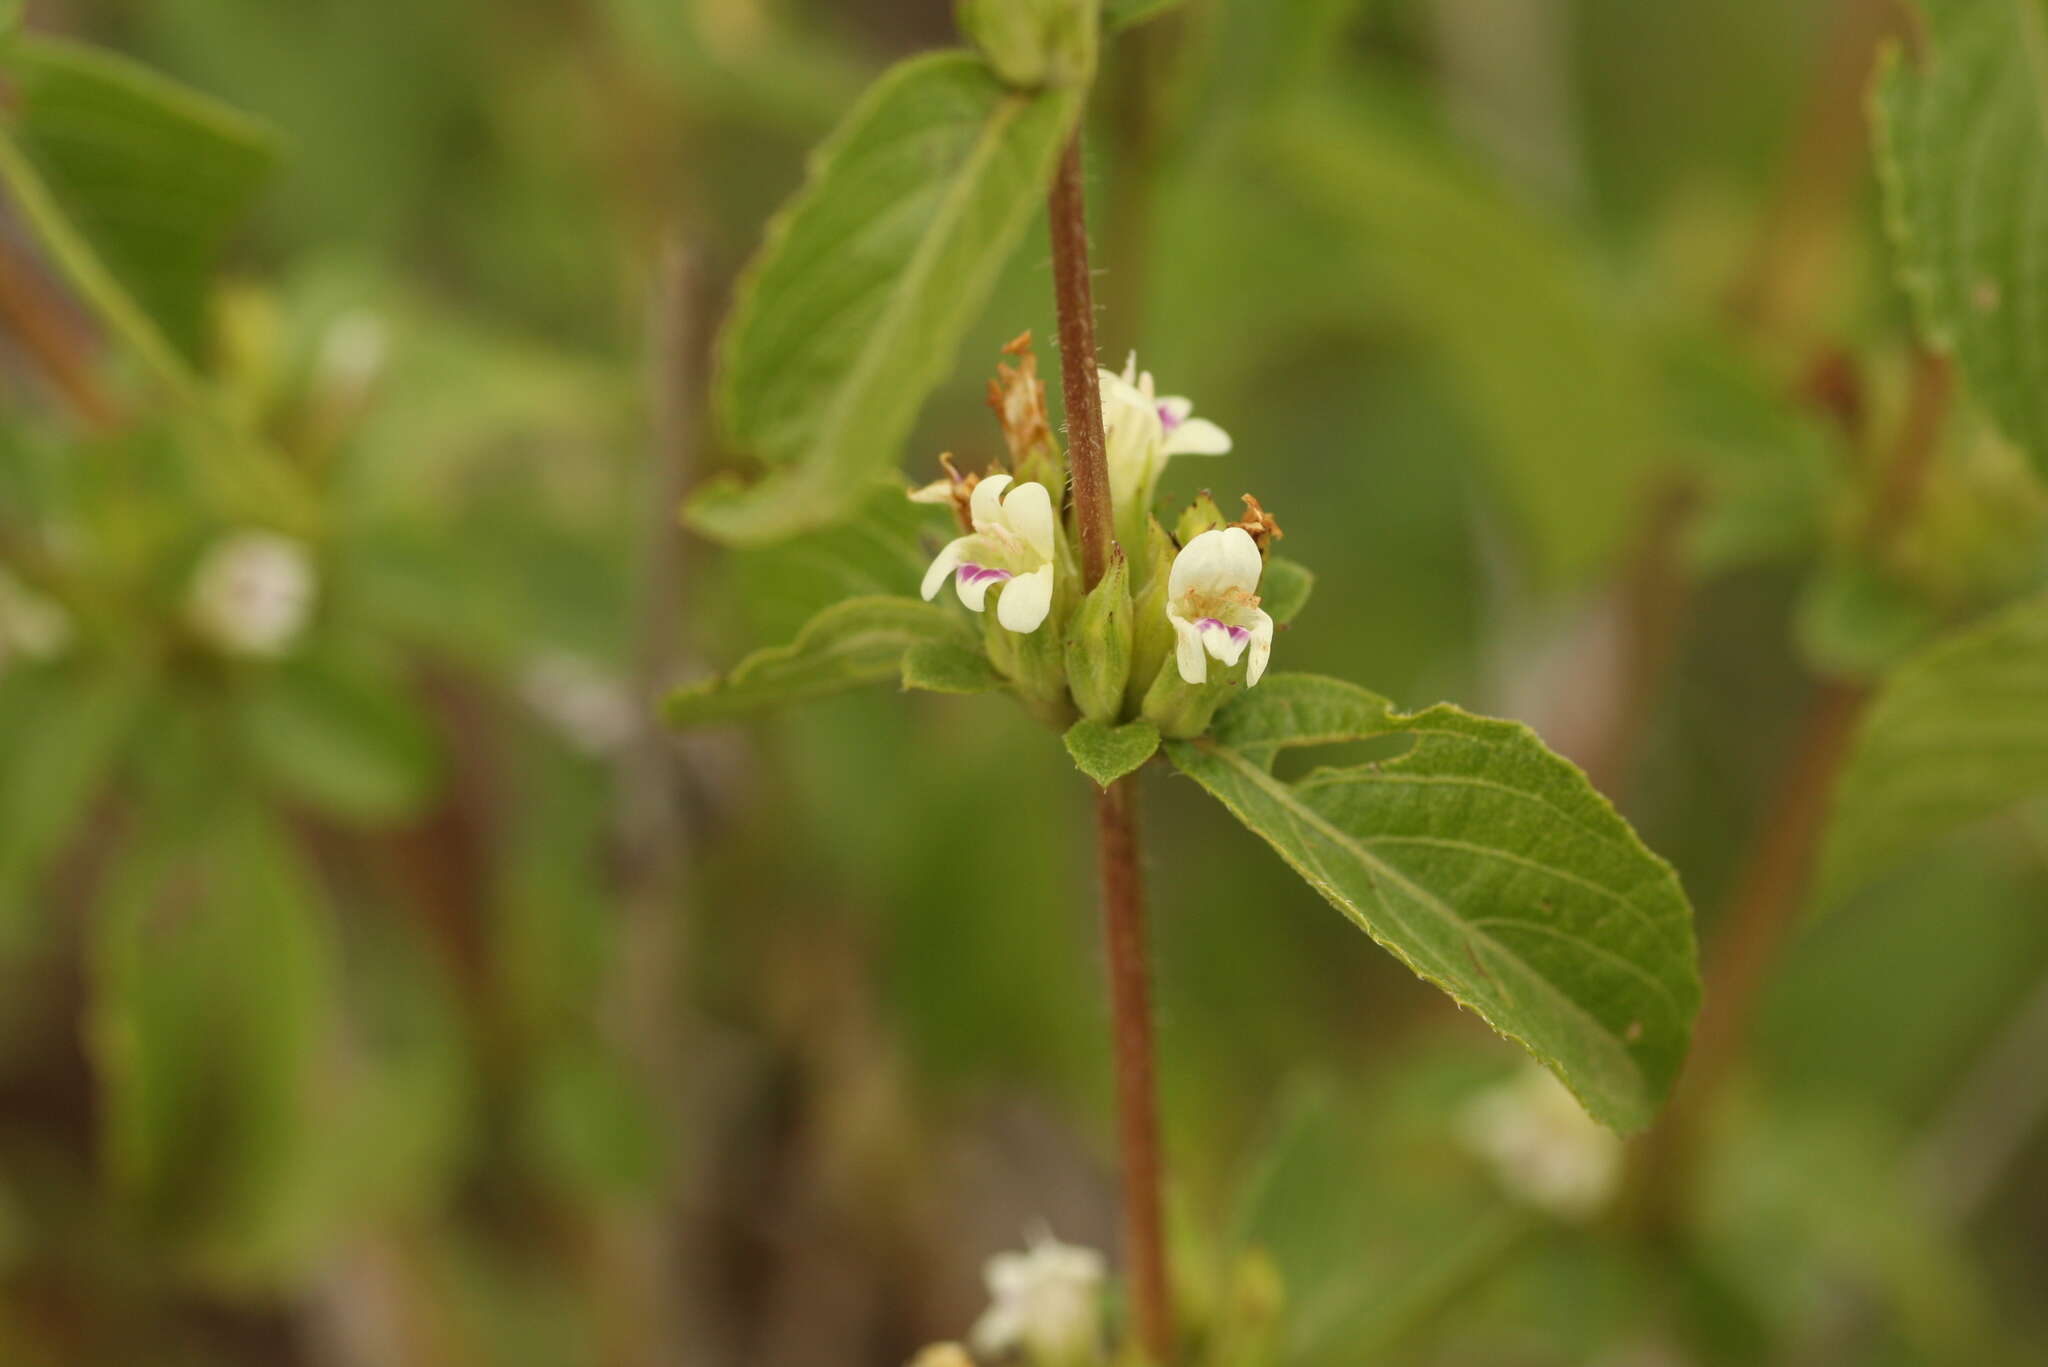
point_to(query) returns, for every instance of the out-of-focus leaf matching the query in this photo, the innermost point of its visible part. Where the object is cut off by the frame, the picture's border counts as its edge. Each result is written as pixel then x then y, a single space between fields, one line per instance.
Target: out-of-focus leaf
pixel 854 307
pixel 1854 620
pixel 949 667
pixel 152 175
pixel 1122 14
pixel 211 1001
pixel 1963 152
pixel 1106 753
pixel 1561 387
pixel 1489 866
pixel 61 736
pixel 342 733
pixel 1958 732
pixel 859 641
pixel 1284 589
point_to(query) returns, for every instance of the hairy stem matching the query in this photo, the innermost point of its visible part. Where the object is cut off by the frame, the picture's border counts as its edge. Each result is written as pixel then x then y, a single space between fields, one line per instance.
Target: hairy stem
pixel 1116 812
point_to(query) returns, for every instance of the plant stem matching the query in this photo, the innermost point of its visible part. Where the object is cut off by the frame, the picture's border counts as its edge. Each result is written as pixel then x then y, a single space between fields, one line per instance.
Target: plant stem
pixel 1116 810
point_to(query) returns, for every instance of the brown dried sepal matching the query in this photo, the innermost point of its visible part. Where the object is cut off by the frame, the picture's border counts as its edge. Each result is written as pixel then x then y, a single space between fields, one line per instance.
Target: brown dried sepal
pixel 1017 397
pixel 1263 526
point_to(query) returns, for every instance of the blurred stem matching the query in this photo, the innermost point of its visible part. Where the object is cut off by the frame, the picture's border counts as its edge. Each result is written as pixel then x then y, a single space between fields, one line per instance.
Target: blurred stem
pixel 1485 1249
pixel 1116 811
pixel 32 316
pixel 1751 934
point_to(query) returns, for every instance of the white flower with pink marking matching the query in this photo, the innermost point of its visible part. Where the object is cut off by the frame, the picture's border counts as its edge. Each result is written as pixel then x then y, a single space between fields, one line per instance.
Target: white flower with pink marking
pixel 1145 430
pixel 1047 1301
pixel 1011 544
pixel 1213 603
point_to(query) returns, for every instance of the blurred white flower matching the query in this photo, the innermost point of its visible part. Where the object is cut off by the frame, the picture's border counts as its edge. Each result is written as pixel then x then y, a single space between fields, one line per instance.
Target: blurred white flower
pixel 252 593
pixel 1144 430
pixel 1542 1146
pixel 352 352
pixel 31 626
pixel 1011 544
pixel 1046 1300
pixel 591 709
pixel 943 1355
pixel 1212 602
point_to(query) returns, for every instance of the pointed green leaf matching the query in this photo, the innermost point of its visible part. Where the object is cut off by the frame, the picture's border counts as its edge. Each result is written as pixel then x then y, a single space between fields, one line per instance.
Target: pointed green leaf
pixel 855 305
pixel 1488 865
pixel 1123 14
pixel 152 176
pixel 1963 154
pixel 1958 731
pixel 859 641
pixel 949 667
pixel 1106 753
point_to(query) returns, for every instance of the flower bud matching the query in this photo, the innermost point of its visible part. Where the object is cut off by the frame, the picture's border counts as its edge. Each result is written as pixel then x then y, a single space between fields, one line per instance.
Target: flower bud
pixel 1031 43
pixel 1099 643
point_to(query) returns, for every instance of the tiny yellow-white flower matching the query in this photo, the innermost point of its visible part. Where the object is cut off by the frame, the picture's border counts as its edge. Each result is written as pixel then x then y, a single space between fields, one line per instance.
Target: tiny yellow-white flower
pixel 1213 603
pixel 1144 430
pixel 1011 544
pixel 1046 1300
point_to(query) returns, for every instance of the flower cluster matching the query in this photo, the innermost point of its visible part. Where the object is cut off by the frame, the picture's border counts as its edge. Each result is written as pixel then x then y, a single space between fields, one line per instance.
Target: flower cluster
pixel 1178 621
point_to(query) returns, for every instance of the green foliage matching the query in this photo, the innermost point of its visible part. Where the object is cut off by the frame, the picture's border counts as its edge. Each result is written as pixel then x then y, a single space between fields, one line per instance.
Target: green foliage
pixel 1963 152
pixel 855 642
pixel 62 736
pixel 342 733
pixel 152 176
pixel 1521 320
pixel 1106 753
pixel 209 1075
pixel 1284 589
pixel 858 300
pixel 1486 864
pixel 1122 14
pixel 949 667
pixel 1957 732
pixel 1034 42
pixel 1098 664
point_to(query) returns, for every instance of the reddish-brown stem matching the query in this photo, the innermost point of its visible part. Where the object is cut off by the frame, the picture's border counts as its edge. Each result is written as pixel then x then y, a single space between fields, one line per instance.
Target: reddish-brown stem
pixel 1130 995
pixel 31 310
pixel 1116 811
pixel 1074 290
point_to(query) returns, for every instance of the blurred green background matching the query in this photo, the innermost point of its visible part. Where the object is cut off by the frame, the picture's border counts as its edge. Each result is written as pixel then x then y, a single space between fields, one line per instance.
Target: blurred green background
pixel 410 999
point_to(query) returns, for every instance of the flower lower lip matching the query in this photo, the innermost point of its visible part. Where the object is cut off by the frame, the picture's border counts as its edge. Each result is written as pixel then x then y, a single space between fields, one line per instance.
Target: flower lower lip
pixel 1236 633
pixel 975 574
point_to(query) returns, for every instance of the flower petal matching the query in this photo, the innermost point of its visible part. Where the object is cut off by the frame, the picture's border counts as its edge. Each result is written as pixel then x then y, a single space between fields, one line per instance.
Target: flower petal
pixel 1262 646
pixel 1175 409
pixel 1215 562
pixel 1025 601
pixel 986 501
pixel 948 560
pixel 1223 641
pixel 938 491
pixel 1028 512
pixel 1187 650
pixel 1197 437
pixel 974 581
pixel 1241 559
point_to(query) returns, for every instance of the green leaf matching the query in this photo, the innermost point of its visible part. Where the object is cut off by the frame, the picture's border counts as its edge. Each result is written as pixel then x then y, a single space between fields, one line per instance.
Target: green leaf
pixel 343 734
pixel 1488 865
pixel 1958 732
pixel 1106 753
pixel 1560 386
pixel 1962 145
pixel 1284 589
pixel 212 990
pixel 855 306
pixel 62 736
pixel 949 667
pixel 1123 14
pixel 859 641
pixel 151 175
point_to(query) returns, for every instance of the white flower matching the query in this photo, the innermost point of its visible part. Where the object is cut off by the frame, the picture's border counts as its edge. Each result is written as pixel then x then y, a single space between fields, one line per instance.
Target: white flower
pixel 1212 604
pixel 1542 1146
pixel 1011 544
pixel 1144 431
pixel 590 709
pixel 1047 1300
pixel 30 625
pixel 252 593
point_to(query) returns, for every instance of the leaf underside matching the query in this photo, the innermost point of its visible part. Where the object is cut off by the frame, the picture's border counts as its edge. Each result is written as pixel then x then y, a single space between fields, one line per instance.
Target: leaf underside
pixel 854 307
pixel 858 641
pixel 1489 866
pixel 1107 753
pixel 1963 156
pixel 1957 733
